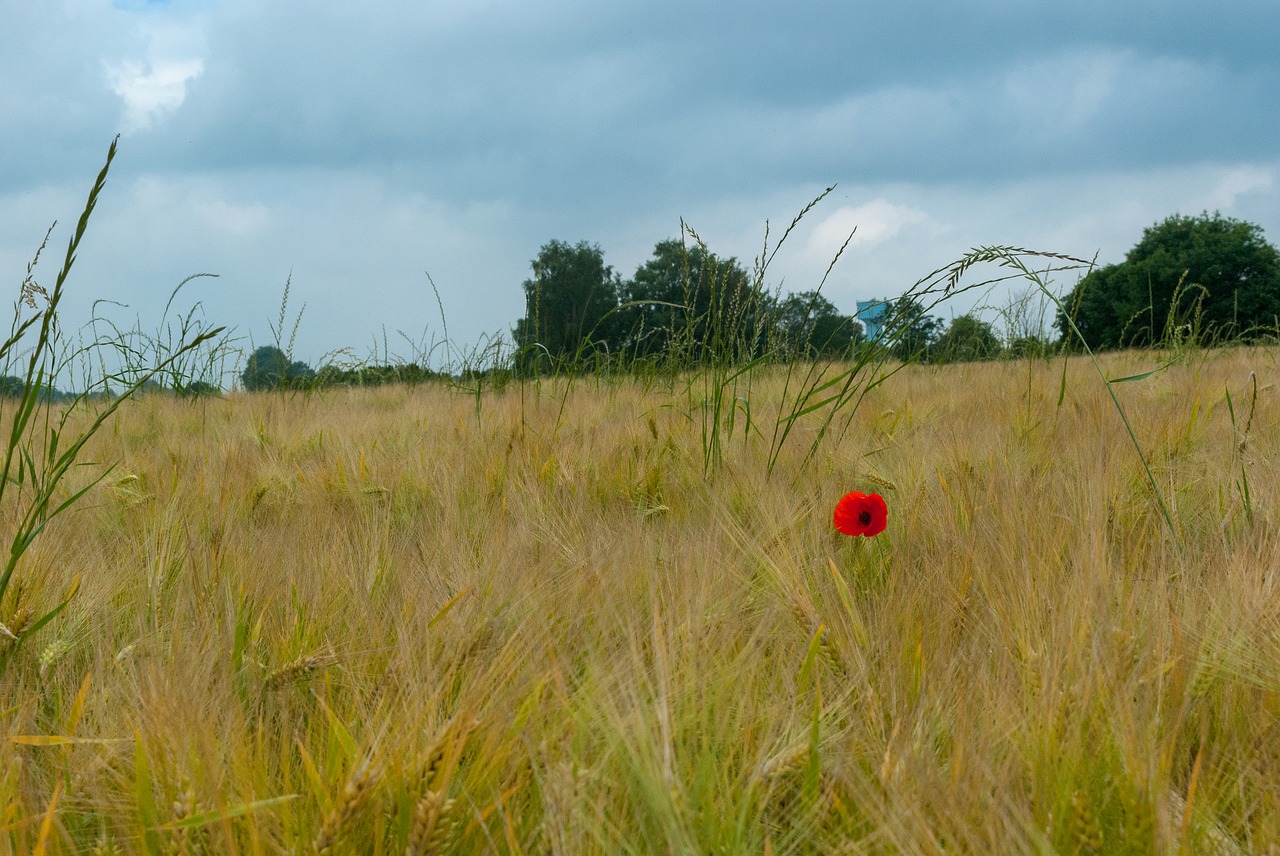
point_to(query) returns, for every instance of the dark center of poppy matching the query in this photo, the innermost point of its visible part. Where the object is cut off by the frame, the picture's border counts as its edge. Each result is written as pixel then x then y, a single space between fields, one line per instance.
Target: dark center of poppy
pixel 864 517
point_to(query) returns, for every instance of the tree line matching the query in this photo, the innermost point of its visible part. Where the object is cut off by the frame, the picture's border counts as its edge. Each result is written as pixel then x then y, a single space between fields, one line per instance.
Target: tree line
pixel 685 304
pixel 1211 279
pixel 1207 279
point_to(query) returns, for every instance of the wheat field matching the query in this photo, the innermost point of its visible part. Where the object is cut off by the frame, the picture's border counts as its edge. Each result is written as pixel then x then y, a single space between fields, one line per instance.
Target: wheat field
pixel 537 621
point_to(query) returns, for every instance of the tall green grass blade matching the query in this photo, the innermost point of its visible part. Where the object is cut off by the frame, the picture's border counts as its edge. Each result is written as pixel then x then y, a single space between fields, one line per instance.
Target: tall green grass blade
pixel 1145 375
pixel 807 674
pixel 145 798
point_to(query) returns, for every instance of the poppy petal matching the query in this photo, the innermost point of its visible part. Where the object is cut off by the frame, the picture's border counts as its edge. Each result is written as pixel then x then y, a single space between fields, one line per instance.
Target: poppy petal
pixel 879 515
pixel 858 513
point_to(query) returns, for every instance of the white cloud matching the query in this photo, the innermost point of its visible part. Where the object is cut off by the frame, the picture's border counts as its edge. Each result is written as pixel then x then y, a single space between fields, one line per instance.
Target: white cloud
pixel 150 89
pixel 871 223
pixel 151 80
pixel 231 218
pixel 1240 181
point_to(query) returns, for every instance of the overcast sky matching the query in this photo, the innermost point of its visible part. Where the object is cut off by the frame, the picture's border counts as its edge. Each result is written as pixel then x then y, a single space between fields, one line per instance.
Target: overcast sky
pixel 361 146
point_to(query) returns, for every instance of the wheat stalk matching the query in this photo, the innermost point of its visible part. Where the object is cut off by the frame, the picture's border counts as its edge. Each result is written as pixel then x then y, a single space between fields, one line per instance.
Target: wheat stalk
pixel 345 809
pixel 432 825
pixel 299 670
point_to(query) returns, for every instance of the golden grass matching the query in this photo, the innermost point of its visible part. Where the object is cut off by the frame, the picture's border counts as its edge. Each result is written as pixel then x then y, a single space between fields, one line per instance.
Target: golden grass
pixel 386 622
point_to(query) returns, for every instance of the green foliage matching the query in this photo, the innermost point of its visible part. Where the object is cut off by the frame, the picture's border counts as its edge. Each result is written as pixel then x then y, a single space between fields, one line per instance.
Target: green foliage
pixel 968 338
pixel 376 375
pixel 11 386
pixel 1025 347
pixel 809 326
pixel 571 293
pixel 1207 275
pixel 909 329
pixel 270 368
pixel 661 301
pixel 684 307
pixel 685 302
pixel 199 389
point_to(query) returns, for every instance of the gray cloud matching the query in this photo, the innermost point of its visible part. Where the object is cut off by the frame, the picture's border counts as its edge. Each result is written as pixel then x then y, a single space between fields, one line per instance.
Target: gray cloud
pixel 362 145
pixel 524 90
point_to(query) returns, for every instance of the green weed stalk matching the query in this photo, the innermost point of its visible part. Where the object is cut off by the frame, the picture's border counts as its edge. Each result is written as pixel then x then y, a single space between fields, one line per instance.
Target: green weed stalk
pixel 40 447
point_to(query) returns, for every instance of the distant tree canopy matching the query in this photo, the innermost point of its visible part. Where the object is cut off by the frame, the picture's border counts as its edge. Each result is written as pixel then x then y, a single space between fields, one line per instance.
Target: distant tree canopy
pixel 269 368
pixel 197 389
pixel 968 338
pixel 908 330
pixel 1217 274
pixel 409 374
pixel 810 326
pixel 571 293
pixel 12 386
pixel 688 304
pixel 667 304
pixel 685 305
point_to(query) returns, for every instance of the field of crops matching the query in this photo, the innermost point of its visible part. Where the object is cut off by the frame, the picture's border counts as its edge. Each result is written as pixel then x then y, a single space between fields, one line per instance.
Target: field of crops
pixel 580 617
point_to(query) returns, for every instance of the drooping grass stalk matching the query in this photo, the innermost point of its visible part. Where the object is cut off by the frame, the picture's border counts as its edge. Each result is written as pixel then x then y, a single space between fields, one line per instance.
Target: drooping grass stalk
pixel 1014 259
pixel 832 391
pixel 1242 442
pixel 195 372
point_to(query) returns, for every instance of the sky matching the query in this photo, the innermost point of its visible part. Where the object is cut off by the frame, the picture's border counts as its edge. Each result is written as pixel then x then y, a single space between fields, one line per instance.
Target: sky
pixel 362 152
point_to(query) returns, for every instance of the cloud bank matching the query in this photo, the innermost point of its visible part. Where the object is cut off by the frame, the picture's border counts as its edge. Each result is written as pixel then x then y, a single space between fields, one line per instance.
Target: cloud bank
pixel 361 147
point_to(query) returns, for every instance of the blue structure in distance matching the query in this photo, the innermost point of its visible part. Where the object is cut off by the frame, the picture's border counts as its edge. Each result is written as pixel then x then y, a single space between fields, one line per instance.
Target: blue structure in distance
pixel 872 314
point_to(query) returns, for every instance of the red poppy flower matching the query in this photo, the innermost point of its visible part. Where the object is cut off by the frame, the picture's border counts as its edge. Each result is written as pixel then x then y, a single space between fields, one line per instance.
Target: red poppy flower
pixel 859 513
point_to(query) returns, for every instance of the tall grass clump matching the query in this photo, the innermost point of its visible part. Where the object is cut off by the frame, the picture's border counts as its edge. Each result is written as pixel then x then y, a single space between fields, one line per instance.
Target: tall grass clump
pixel 166 358
pixel 44 441
pixel 824 390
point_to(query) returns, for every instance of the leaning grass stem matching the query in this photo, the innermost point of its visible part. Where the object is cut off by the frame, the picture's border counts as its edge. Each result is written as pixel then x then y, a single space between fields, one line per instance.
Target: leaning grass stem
pixel 1015 260
pixel 1242 443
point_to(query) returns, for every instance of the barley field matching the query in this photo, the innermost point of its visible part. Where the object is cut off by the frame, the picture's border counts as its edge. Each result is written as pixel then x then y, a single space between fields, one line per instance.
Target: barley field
pixel 544 619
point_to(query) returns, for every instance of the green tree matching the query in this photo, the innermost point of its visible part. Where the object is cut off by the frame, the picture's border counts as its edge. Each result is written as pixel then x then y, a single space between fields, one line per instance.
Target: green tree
pixel 410 374
pixel 968 338
pixel 1217 274
pixel 269 368
pixel 571 293
pixel 690 305
pixel 908 329
pixel 198 389
pixel 810 326
pixel 1030 346
pixel 659 302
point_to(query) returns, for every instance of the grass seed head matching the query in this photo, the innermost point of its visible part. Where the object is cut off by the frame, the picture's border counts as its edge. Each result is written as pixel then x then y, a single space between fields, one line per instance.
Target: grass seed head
pixel 432 825
pixel 299 670
pixel 346 808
